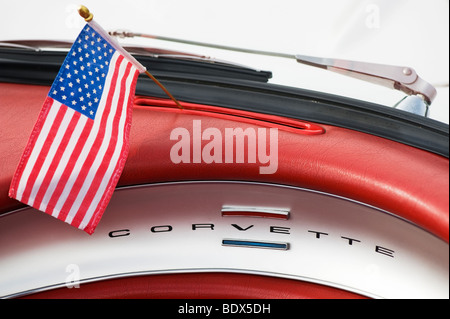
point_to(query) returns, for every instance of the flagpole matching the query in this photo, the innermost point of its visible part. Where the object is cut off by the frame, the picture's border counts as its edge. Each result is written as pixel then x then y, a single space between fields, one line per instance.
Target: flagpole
pixel 88 16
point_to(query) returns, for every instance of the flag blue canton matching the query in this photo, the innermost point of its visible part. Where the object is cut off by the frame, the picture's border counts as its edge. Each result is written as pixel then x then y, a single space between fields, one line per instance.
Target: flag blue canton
pixel 81 79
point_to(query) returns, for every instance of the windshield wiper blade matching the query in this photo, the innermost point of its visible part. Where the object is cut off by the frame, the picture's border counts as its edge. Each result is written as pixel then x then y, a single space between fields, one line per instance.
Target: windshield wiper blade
pixel 400 78
pixel 13 45
pixel 128 34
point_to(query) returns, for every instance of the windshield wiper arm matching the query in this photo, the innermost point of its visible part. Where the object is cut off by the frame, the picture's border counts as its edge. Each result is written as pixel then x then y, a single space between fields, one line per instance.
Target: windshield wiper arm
pixel 400 78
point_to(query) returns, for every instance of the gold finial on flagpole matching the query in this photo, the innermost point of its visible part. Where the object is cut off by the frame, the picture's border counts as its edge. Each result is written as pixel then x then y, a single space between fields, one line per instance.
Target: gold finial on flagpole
pixel 85 13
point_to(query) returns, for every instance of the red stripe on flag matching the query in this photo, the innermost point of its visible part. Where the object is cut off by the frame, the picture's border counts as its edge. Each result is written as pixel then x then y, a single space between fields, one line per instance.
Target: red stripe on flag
pixel 102 169
pixel 69 167
pixel 43 154
pixel 95 147
pixel 90 227
pixel 56 159
pixel 30 146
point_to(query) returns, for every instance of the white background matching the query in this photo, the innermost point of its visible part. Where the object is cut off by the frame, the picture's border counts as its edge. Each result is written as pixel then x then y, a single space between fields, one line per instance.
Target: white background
pixel 399 32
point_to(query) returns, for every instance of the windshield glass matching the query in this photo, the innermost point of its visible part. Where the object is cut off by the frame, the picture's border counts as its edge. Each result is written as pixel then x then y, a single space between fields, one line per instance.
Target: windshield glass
pixel 410 33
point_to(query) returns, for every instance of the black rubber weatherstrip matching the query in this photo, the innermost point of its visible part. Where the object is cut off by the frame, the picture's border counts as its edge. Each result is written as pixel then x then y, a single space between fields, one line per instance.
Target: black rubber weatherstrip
pixel 37 67
pixel 386 122
pixel 246 89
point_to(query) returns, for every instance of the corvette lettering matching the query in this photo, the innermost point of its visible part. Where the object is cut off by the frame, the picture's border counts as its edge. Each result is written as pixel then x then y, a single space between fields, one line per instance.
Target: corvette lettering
pixel 240 229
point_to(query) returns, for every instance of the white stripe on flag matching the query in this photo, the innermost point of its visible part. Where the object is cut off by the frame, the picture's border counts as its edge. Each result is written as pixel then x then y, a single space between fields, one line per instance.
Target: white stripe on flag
pixel 65 158
pixel 104 146
pixel 51 154
pixel 80 161
pixel 117 151
pixel 36 150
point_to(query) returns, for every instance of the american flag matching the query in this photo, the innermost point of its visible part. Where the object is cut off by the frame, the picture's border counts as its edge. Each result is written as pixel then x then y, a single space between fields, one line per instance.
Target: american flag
pixel 78 147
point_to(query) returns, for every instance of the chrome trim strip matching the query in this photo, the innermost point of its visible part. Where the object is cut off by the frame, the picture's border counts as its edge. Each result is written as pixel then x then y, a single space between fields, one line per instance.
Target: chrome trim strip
pixel 246 211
